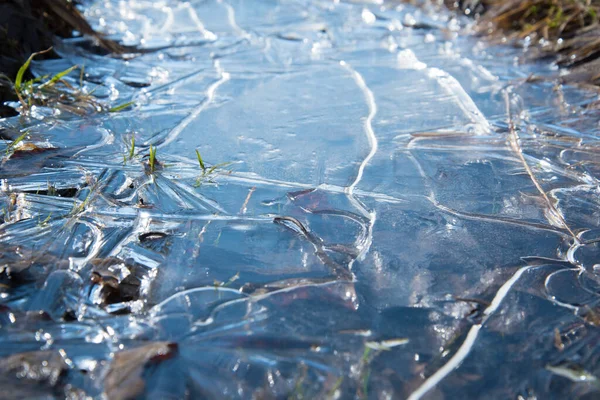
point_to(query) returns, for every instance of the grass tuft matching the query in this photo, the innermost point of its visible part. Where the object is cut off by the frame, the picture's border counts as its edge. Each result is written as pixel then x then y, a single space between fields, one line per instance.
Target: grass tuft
pixel 57 92
pixel 568 30
pixel 207 172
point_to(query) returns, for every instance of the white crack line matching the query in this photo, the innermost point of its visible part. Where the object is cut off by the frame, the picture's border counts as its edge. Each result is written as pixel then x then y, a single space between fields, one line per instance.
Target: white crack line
pixel 210 95
pixel 231 18
pixel 368 129
pixel 464 350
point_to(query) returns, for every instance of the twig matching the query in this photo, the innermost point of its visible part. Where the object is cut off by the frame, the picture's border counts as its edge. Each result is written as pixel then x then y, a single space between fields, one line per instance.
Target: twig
pixel 513 139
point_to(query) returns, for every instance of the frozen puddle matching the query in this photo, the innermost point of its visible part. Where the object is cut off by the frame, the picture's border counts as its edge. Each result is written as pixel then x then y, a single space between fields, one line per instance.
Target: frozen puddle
pixel 393 212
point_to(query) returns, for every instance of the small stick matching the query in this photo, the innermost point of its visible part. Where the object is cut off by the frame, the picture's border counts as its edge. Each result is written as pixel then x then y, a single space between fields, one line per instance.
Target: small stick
pixel 513 139
pixel 245 205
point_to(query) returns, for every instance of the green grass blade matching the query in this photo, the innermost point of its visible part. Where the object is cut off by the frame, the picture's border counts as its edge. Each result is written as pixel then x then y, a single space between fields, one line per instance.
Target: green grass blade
pixel 152 158
pixel 81 75
pixel 25 66
pixel 59 76
pixel 200 161
pixel 214 167
pixel 34 80
pixel 132 148
pixel 19 139
pixel 16 142
pixel 45 221
pixel 121 107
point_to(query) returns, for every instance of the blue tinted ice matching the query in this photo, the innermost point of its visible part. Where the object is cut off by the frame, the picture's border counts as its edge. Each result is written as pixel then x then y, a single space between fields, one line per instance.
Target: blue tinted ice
pixel 388 209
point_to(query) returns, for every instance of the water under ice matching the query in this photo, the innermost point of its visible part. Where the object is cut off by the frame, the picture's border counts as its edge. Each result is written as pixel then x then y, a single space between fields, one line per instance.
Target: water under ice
pixel 405 215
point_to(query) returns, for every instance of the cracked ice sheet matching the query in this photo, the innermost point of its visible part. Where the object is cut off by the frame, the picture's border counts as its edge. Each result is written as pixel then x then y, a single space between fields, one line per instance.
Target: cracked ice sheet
pixel 375 136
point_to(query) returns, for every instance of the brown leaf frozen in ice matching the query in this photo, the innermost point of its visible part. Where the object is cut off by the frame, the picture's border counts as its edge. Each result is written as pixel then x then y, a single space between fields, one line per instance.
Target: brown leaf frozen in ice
pixel 124 378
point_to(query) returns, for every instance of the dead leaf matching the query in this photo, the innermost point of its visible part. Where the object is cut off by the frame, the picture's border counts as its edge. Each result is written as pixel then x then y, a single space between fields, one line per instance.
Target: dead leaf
pixel 124 378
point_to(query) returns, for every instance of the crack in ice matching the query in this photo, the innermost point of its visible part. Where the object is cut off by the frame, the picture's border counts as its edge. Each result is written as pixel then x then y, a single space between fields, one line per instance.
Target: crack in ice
pixel 210 94
pixel 231 19
pixel 368 129
pixel 466 347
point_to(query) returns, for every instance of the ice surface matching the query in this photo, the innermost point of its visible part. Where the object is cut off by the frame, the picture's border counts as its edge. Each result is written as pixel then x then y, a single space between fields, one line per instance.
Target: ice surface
pixel 389 177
